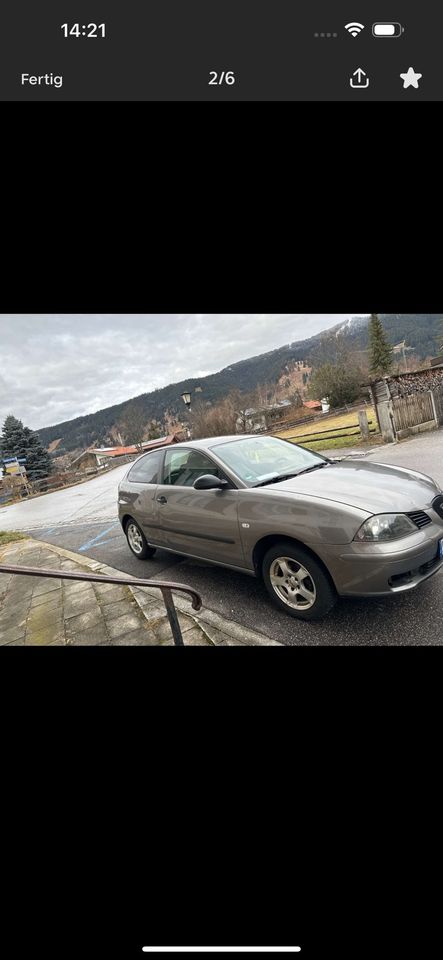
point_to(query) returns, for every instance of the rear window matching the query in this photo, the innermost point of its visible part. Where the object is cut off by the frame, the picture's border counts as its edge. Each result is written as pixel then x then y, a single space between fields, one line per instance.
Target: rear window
pixel 146 469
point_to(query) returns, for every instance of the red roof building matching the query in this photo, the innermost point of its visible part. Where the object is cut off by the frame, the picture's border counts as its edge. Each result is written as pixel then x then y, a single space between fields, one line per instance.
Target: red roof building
pixel 97 456
pixel 146 445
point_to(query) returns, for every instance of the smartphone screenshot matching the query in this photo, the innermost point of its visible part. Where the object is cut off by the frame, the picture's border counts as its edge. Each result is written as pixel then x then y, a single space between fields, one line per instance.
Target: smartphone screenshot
pixel 221 50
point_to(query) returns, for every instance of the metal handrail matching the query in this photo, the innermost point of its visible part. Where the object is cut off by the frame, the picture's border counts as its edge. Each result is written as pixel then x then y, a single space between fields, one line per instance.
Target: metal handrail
pixel 164 585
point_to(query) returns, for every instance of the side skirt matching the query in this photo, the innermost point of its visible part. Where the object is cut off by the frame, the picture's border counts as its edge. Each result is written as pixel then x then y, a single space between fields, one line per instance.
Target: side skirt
pixel 195 556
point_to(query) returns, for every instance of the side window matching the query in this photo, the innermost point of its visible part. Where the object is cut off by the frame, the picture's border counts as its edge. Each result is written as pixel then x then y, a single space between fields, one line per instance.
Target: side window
pixel 183 467
pixel 146 469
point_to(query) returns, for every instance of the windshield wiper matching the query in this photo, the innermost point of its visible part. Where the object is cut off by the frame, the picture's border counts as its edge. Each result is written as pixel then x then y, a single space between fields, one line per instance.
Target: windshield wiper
pixel 317 466
pixel 288 476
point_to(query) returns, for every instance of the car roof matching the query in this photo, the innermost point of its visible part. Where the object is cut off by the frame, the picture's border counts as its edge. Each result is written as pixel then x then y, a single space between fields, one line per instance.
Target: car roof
pixel 213 441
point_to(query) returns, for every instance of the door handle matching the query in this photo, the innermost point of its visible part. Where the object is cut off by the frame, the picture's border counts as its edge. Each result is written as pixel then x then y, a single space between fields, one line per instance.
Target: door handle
pixel 162 499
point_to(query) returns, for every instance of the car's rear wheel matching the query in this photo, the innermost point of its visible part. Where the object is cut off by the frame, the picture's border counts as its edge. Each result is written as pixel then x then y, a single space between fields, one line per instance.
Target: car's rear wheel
pixel 297 582
pixel 137 541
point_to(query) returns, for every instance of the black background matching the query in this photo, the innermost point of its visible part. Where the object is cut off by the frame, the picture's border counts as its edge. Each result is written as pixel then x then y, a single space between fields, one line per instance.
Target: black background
pixel 165 50
pixel 257 796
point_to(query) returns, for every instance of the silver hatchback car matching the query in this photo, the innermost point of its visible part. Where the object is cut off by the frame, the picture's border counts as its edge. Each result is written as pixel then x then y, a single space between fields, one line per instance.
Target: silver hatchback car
pixel 311 527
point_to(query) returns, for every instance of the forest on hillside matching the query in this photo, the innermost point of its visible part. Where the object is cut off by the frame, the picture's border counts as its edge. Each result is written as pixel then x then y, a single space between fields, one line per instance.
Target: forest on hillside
pixel 420 331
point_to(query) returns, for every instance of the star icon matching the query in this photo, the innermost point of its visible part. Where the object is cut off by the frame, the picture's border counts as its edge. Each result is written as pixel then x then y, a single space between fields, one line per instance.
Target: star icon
pixel 410 79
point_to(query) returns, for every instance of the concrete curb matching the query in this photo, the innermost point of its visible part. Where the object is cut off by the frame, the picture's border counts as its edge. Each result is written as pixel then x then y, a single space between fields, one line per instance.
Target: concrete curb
pixel 346 453
pixel 340 454
pixel 217 630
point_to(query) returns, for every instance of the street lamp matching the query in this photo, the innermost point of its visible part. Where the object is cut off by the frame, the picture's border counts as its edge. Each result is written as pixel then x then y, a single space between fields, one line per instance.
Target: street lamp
pixel 186 397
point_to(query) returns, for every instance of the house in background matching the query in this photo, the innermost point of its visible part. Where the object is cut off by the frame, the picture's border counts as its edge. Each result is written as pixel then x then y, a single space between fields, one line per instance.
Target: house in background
pixel 96 457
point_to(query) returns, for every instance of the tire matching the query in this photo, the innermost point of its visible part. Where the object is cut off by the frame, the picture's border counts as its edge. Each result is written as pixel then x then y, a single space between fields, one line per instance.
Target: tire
pixel 286 560
pixel 136 538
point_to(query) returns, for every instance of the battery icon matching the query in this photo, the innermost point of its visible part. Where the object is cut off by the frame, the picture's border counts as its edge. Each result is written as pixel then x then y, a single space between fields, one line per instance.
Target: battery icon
pixel 387 29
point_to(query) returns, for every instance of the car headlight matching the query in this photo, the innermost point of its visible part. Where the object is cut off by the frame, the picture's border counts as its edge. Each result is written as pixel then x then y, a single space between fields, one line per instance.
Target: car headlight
pixel 386 526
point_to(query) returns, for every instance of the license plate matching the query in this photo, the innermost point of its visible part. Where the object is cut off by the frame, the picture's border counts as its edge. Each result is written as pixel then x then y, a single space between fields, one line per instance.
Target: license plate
pixel 440 548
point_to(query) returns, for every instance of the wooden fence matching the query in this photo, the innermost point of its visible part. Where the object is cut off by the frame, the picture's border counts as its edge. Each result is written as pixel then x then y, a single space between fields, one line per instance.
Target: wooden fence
pixel 313 417
pixel 70 477
pixel 401 417
pixel 333 434
pixel 438 403
pixel 412 410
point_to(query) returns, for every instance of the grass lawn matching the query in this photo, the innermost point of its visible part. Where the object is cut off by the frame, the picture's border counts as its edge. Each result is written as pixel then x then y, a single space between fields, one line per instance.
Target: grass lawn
pixel 11 535
pixel 338 442
pixel 344 423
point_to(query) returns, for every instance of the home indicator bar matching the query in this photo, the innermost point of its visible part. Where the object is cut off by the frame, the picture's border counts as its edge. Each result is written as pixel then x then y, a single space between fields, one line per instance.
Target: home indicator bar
pixel 221 949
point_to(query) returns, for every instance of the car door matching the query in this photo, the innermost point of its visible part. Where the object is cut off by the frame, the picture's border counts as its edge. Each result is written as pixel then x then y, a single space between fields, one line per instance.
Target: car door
pixel 138 492
pixel 203 523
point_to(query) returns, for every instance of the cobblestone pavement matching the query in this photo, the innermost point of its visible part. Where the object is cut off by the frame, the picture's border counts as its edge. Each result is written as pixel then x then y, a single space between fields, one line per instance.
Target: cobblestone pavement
pixel 46 611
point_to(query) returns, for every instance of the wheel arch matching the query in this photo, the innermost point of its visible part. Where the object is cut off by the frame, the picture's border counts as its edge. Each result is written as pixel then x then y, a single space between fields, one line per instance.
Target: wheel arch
pixel 124 520
pixel 262 546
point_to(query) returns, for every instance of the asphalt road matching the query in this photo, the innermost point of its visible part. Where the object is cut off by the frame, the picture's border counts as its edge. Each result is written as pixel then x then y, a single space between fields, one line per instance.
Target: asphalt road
pixel 95 500
pixel 83 519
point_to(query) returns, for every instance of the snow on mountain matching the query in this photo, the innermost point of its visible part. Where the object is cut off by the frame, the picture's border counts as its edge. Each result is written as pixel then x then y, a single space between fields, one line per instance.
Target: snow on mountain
pixel 354 323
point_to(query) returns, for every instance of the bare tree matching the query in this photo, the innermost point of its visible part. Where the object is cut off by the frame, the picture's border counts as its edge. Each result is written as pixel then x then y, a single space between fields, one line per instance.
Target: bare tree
pixel 154 430
pixel 220 419
pixel 133 425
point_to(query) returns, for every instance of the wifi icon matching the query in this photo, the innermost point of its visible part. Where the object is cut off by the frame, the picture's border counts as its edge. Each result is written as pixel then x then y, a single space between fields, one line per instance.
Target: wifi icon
pixel 354 28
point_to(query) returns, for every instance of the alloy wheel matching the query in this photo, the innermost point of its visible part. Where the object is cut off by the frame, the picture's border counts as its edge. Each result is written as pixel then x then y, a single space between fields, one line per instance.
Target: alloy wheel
pixel 292 583
pixel 135 539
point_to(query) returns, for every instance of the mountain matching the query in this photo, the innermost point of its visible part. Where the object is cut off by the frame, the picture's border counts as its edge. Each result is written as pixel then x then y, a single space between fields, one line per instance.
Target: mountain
pixel 419 331
pixel 350 326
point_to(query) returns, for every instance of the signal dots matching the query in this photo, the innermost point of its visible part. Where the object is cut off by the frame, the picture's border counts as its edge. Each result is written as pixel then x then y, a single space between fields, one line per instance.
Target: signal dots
pixel 325 34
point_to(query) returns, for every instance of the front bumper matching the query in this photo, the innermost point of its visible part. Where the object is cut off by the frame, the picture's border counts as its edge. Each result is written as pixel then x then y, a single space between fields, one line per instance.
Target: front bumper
pixel 367 569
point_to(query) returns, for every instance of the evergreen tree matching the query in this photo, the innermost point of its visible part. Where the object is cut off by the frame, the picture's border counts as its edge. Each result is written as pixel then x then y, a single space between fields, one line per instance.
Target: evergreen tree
pixel 38 461
pixel 19 441
pixel 11 441
pixel 380 350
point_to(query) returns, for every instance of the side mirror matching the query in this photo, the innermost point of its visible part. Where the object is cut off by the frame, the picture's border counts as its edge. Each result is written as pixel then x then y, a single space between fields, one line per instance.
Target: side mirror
pixel 209 482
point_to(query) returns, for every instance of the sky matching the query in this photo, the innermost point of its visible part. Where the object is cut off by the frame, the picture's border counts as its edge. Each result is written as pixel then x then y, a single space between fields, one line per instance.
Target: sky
pixel 57 367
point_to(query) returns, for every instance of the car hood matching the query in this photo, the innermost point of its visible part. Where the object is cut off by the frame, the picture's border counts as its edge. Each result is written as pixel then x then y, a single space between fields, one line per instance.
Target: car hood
pixel 374 487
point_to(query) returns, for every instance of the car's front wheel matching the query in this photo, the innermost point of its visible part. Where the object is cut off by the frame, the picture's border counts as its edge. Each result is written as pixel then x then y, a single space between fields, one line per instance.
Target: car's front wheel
pixel 297 582
pixel 137 541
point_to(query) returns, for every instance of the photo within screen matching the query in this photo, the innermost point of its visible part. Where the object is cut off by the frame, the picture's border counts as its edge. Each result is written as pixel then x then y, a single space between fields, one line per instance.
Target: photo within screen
pixel 221 479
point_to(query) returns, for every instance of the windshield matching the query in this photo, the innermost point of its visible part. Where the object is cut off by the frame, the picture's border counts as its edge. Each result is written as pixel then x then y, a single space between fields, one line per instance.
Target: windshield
pixel 257 459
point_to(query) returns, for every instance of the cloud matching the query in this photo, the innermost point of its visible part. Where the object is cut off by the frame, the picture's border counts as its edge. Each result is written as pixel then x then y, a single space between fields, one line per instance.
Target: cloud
pixel 56 367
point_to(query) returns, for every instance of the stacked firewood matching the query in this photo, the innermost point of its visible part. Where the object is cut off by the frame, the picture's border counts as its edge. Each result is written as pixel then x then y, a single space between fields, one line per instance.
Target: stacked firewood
pixel 409 383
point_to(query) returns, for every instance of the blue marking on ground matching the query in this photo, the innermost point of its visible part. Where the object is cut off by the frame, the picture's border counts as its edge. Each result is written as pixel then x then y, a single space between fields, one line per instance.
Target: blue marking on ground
pixel 90 543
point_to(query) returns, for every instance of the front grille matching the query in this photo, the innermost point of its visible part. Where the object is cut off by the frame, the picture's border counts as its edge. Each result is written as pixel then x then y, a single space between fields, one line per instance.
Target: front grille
pixel 420 518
